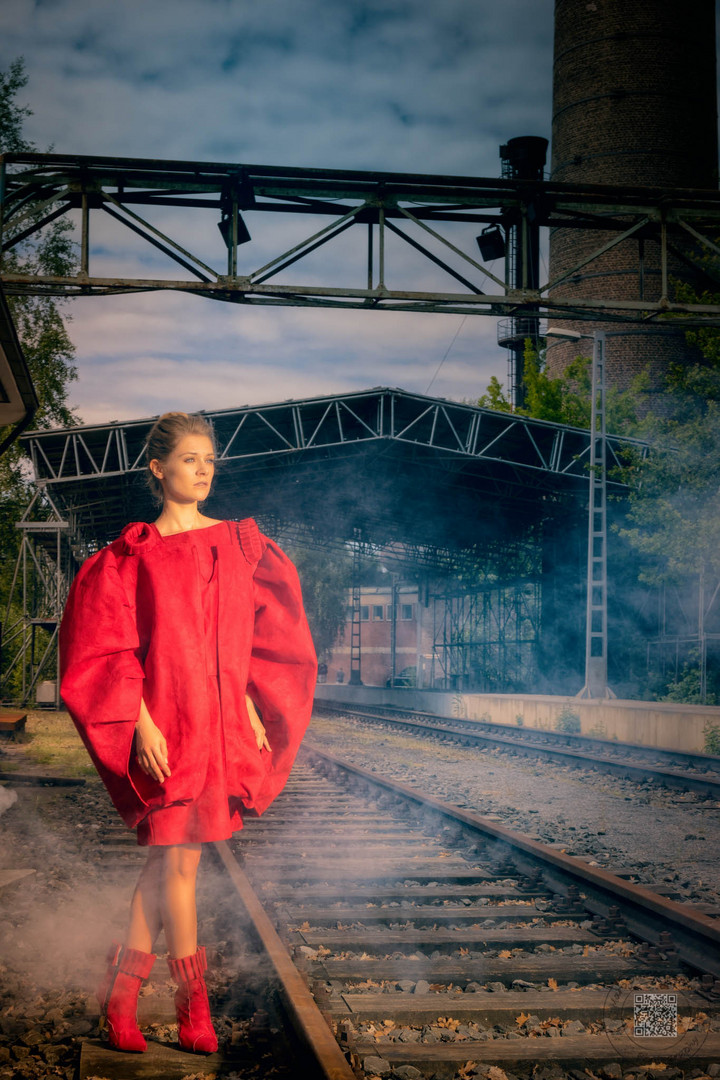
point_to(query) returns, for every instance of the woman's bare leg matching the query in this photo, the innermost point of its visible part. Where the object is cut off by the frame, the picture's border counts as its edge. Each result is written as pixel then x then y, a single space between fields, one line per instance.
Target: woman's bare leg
pixel 177 898
pixel 145 910
pixel 165 898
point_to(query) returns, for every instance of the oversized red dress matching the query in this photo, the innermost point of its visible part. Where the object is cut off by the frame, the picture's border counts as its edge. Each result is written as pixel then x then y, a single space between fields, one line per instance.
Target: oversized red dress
pixel 189 623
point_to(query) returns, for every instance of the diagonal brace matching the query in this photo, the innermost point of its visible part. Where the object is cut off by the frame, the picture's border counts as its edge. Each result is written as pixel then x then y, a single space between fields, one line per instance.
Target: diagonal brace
pixel 457 250
pixel 107 197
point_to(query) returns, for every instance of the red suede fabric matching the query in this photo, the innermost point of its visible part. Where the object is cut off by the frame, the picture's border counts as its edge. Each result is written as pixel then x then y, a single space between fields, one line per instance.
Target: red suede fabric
pixel 133 628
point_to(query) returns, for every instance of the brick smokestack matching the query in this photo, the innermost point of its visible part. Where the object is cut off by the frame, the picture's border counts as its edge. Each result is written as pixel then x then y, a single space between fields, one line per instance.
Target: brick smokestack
pixel 634 103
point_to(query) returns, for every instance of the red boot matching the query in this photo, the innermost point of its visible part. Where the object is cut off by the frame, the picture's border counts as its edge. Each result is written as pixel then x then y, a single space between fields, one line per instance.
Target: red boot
pixel 119 994
pixel 195 1030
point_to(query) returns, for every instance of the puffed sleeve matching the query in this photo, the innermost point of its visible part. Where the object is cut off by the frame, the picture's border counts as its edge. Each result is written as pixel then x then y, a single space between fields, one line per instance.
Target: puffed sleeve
pixel 283 667
pixel 102 676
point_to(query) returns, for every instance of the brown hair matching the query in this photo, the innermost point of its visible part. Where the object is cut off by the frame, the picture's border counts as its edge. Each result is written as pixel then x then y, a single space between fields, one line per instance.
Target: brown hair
pixel 166 433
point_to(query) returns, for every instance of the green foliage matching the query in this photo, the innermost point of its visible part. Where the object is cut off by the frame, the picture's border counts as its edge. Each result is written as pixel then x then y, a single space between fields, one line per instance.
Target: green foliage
pixel 12 115
pixel 325 577
pixel 674 517
pixel 494 397
pixel 567 721
pixel 562 399
pixel 711 737
pixel 673 511
pixel 686 688
pixel 43 336
pixel 41 329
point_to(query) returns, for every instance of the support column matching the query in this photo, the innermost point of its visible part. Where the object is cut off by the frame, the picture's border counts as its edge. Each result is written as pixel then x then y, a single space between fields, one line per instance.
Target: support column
pixel 355 634
pixel 596 636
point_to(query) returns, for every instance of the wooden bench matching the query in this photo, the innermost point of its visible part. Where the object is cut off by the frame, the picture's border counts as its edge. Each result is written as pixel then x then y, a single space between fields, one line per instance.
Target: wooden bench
pixel 12 722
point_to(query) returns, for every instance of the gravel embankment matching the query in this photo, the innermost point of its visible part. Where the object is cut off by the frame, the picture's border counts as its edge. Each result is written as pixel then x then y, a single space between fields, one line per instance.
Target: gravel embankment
pixel 669 838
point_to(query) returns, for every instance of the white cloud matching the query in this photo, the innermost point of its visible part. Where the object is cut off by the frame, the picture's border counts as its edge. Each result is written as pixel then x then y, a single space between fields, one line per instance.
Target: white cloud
pixel 392 85
pixel 140 355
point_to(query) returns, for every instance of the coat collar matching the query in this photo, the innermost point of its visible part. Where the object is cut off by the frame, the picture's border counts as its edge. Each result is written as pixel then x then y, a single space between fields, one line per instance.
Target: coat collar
pixel 139 537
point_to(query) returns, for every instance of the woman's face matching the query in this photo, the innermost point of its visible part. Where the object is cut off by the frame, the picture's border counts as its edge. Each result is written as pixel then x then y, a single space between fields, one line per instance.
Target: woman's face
pixel 187 473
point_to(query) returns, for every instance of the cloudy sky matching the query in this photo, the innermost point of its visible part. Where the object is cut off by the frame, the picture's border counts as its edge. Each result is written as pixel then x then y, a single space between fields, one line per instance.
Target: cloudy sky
pixel 399 85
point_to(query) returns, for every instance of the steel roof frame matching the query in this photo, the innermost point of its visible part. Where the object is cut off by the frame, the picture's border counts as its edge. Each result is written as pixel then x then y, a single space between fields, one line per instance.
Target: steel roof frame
pixel 62 455
pixel 446 487
pixel 479 454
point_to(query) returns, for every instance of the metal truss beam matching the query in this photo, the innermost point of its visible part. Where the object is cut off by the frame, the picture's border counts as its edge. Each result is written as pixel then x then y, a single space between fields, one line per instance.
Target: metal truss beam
pixel 50 550
pixel 488 640
pixel 453 431
pixel 433 218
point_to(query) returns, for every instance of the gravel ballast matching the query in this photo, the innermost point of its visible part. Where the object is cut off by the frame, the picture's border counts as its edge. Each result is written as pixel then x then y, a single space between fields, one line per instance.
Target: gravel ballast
pixel 670 839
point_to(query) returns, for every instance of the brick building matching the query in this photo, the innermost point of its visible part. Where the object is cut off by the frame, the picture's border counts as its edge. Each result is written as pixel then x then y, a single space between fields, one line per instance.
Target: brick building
pixel 634 103
pixel 403 642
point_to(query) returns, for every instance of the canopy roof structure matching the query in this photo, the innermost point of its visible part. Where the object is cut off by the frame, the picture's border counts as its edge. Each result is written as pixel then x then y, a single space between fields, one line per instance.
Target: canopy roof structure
pixel 383 465
pixel 18 400
pixel 453 495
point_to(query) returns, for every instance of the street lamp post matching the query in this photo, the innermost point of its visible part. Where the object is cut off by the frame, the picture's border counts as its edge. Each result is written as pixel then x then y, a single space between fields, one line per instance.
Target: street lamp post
pixel 394 579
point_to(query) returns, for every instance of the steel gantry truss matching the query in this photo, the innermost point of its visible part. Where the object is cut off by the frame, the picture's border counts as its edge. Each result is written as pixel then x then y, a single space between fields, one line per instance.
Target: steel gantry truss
pixel 487 640
pixel 249 259
pixel 50 550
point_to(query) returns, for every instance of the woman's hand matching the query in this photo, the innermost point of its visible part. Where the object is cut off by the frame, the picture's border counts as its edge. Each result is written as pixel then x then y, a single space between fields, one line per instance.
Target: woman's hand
pixel 150 747
pixel 257 725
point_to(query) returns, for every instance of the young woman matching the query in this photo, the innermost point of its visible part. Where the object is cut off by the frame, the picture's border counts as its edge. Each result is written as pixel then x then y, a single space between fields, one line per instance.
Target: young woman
pixel 188 668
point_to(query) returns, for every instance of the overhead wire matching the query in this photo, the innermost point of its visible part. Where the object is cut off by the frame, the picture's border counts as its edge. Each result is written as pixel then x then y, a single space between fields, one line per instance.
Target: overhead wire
pixel 447 353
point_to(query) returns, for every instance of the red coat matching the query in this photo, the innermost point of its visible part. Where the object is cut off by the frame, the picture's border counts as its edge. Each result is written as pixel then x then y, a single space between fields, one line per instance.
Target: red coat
pixel 133 629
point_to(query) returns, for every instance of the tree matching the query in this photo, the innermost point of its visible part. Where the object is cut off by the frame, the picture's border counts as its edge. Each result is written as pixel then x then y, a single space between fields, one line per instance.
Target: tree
pixel 39 320
pixel 672 514
pixel 563 399
pixel 326 577
pixel 41 327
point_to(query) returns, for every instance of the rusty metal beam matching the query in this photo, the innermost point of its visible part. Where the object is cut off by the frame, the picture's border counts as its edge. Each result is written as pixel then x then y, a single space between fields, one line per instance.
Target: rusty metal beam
pixel 446 211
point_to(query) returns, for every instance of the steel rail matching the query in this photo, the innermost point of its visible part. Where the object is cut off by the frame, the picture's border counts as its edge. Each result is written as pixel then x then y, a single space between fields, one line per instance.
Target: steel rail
pixel 467 731
pixel 308 1022
pixel 694 936
pixel 331 859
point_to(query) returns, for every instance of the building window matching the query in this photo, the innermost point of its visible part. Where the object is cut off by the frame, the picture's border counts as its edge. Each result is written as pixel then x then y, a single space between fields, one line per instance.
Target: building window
pixel 364 613
pixel 377 612
pixel 407 611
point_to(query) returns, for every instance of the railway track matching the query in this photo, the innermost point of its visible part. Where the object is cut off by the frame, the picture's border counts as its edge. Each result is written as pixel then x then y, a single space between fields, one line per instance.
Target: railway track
pixel 677 770
pixel 396 936
pixel 433 939
pixel 269 1027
